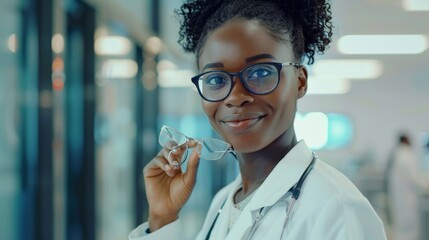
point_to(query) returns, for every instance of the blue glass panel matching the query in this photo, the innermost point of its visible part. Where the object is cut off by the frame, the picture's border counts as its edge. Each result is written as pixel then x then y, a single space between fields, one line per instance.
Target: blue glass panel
pixel 340 131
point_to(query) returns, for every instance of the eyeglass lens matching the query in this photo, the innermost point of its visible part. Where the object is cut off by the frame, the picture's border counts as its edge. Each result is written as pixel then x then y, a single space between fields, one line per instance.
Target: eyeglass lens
pixel 170 138
pixel 213 149
pixel 176 142
pixel 259 79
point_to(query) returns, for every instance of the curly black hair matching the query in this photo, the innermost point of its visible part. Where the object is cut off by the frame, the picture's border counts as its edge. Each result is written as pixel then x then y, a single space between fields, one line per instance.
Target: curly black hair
pixel 307 23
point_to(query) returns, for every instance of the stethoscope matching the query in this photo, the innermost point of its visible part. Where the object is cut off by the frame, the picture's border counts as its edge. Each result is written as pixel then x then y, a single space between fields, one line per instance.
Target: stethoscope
pixel 296 190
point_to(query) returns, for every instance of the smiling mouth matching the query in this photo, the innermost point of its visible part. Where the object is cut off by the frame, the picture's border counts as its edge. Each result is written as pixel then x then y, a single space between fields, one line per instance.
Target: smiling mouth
pixel 242 123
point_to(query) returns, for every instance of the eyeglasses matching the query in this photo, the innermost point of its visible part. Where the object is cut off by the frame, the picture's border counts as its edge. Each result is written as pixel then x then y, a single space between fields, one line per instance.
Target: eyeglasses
pixel 175 142
pixel 259 78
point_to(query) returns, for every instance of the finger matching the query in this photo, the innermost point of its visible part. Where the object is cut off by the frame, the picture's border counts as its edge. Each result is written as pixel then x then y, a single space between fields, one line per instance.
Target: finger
pixel 169 155
pixel 157 165
pixel 191 172
pixel 170 144
pixel 177 155
pixel 192 143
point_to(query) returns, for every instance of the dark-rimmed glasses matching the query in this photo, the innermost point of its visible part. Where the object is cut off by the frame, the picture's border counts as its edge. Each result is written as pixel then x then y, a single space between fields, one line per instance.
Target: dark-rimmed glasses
pixel 258 78
pixel 175 141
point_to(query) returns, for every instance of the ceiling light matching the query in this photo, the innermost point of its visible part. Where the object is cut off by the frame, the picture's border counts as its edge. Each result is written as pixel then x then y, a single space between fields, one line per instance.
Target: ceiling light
pixel 119 68
pixel 175 78
pixel 318 85
pixel 382 44
pixel 416 5
pixel 12 43
pixel 163 65
pixel 313 127
pixel 348 68
pixel 57 43
pixel 112 45
pixel 154 45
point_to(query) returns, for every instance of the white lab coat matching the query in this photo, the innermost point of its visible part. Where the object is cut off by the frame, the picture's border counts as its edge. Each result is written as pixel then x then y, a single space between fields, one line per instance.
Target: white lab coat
pixel 404 180
pixel 330 207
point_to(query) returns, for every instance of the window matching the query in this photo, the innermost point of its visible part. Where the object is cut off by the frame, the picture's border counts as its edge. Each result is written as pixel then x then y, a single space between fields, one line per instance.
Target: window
pixel 324 131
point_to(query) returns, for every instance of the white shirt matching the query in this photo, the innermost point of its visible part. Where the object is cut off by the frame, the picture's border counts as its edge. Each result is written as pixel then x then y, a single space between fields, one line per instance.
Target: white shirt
pixel 330 207
pixel 237 208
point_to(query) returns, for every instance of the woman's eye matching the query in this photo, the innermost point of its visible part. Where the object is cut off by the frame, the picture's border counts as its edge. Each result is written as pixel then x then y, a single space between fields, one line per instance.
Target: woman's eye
pixel 215 80
pixel 260 73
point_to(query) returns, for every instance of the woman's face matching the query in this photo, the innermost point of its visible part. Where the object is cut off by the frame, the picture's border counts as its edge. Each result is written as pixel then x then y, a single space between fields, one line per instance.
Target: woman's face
pixel 251 122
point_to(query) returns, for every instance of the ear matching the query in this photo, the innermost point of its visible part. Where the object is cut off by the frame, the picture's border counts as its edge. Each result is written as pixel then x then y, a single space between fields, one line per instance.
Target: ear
pixel 302 81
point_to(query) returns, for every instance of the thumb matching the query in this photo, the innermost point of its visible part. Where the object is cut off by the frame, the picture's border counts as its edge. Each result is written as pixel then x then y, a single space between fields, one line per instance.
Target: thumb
pixel 191 171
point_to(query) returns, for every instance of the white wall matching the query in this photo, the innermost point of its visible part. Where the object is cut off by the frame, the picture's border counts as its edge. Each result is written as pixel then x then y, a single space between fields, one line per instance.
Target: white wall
pixel 379 109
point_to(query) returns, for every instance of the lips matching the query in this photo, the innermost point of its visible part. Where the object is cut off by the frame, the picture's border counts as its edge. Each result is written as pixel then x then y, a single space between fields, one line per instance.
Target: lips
pixel 242 121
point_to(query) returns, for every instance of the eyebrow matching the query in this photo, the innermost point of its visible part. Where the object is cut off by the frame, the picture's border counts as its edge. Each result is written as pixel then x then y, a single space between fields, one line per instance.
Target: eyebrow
pixel 247 60
pixel 213 65
pixel 259 56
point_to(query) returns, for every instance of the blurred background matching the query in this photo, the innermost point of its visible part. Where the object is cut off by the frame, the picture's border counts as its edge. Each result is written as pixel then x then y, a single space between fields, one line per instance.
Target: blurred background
pixel 86 84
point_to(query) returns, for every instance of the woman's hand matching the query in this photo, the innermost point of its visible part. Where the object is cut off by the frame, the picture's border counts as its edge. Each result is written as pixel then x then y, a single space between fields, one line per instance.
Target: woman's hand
pixel 167 186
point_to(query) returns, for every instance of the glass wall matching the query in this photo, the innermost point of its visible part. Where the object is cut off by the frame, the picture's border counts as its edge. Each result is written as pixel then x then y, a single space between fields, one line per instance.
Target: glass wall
pixel 9 120
pixel 115 132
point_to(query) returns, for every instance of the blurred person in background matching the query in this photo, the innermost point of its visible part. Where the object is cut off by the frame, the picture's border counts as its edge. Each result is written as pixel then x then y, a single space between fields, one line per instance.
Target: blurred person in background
pixel 425 155
pixel 404 181
pixel 250 54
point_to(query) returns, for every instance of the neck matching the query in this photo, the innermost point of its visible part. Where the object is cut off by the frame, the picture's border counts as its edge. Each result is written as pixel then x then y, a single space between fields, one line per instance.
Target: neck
pixel 256 166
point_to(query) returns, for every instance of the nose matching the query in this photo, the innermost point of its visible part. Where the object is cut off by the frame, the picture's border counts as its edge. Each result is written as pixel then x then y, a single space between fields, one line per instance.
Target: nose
pixel 239 95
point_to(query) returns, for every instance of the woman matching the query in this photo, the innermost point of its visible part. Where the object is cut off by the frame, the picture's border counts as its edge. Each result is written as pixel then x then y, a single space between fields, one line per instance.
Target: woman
pixel 405 180
pixel 249 53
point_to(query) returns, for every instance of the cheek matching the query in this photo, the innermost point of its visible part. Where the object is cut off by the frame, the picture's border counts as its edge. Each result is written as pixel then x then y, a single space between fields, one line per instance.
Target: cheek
pixel 210 109
pixel 286 101
pixel 289 89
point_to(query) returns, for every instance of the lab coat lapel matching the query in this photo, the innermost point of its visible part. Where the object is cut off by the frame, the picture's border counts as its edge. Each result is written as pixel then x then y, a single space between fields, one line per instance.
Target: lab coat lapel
pixel 242 225
pixel 220 231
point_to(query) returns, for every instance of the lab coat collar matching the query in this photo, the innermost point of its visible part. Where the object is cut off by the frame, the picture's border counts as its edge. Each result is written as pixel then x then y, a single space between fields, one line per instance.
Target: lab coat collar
pixel 282 177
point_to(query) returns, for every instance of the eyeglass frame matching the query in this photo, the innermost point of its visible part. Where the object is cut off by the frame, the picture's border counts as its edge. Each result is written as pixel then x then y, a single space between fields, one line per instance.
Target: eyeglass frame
pixel 229 149
pixel 277 65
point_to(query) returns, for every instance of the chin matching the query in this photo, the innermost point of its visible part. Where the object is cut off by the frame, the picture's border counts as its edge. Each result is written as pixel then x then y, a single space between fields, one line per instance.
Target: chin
pixel 246 145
